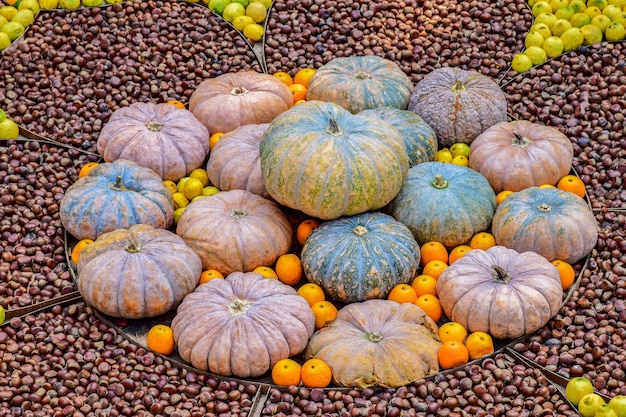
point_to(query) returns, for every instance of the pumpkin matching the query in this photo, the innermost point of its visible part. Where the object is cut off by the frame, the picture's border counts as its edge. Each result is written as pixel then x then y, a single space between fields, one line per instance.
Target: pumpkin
pixel 419 138
pixel 235 231
pixel 235 161
pixel 167 139
pixel 360 257
pixel 235 99
pixel 242 325
pixel 458 104
pixel 377 342
pixel 364 82
pixel 137 272
pixel 116 195
pixel 500 291
pixel 522 154
pixel 554 223
pixel 326 162
pixel 443 202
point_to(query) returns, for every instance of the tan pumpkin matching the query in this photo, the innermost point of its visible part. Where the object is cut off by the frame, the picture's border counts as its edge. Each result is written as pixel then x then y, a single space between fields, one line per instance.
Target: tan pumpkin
pixel 377 342
pixel 242 325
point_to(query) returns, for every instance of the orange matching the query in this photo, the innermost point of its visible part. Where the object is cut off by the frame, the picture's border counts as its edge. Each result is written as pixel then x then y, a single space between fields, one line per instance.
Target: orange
pixel 312 293
pixel 289 268
pixel 208 275
pixel 482 240
pixel 502 195
pixel 452 330
pixel 431 251
pixel 286 372
pixel 299 92
pixel 479 344
pixel 177 103
pixel 452 354
pixel 573 184
pixel 303 76
pixel 324 311
pixel 160 339
pixel 78 248
pixel 431 306
pixel 304 230
pixel 86 169
pixel 266 271
pixel 316 373
pixel 458 252
pixel 567 273
pixel 424 284
pixel 402 293
pixel 284 77
pixel 434 268
pixel 215 137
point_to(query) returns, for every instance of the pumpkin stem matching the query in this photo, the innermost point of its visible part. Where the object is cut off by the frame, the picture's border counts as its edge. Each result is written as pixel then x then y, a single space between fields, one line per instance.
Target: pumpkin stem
pixel 238 213
pixel 458 87
pixel 133 246
pixel 519 140
pixel 238 307
pixel 361 75
pixel 238 91
pixel 500 274
pixel 154 126
pixel 544 208
pixel 374 336
pixel 439 183
pixel 118 185
pixel 333 127
pixel 360 230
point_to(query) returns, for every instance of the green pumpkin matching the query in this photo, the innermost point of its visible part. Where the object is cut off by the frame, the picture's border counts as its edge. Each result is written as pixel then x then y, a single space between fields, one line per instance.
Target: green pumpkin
pixel 360 257
pixel 446 203
pixel 326 162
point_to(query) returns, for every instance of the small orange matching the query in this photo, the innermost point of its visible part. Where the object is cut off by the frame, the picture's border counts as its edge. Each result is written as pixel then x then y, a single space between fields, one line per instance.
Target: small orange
pixel 266 271
pixel 177 103
pixel 482 240
pixel 299 92
pixel 324 311
pixel 215 137
pixel 316 373
pixel 434 268
pixel 567 273
pixel 160 339
pixel 431 251
pixel 402 293
pixel 479 344
pixel 312 293
pixel 208 275
pixel 78 248
pixel 86 169
pixel 502 195
pixel 424 284
pixel 304 230
pixel 452 354
pixel 573 184
pixel 303 76
pixel 284 77
pixel 431 306
pixel 289 268
pixel 452 330
pixel 458 252
pixel 286 372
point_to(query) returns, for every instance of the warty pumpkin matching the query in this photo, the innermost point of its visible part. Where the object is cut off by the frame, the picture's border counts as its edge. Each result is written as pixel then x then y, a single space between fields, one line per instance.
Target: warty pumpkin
pixel 242 325
pixel 137 272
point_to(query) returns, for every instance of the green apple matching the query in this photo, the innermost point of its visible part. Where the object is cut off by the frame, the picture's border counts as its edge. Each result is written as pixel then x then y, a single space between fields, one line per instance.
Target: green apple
pixel 589 404
pixel 618 404
pixel 577 388
pixel 605 410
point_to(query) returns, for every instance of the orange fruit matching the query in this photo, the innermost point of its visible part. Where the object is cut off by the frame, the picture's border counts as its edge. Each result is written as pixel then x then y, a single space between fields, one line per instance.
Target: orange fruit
pixel 452 331
pixel 312 293
pixel 424 284
pixel 303 76
pixel 78 248
pixel 324 311
pixel 289 268
pixel 286 372
pixel 567 273
pixel 452 354
pixel 86 169
pixel 160 339
pixel 177 103
pixel 299 92
pixel 431 251
pixel 458 252
pixel 431 306
pixel 434 268
pixel 402 293
pixel 482 240
pixel 208 275
pixel 573 184
pixel 215 137
pixel 304 229
pixel 266 271
pixel 316 373
pixel 284 77
pixel 479 344
pixel 502 195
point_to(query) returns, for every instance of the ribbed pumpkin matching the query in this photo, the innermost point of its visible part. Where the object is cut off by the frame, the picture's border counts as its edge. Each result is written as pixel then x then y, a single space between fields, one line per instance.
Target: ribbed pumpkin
pixel 235 231
pixel 446 203
pixel 242 325
pixel 167 139
pixel 137 272
pixel 235 161
pixel 235 99
pixel 378 342
pixel 522 154
pixel 364 82
pixel 458 104
pixel 419 138
pixel 326 162
pixel 116 195
pixel 501 291
pixel 360 257
pixel 554 223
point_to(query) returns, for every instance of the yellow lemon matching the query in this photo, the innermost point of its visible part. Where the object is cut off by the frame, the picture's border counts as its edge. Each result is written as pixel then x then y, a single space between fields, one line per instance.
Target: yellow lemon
pixel 460 148
pixel 521 63
pixel 541 7
pixel 443 155
pixel 200 174
pixel 545 18
pixel 5 41
pixel 180 201
pixel 171 185
pixel 559 26
pixel 577 5
pixel 254 31
pixel 7 12
pixel 266 3
pixel 542 28
pixel 232 11
pixel 615 32
pixel 592 34
pixel 460 160
pixel 601 22
pixel 553 46
pixel 193 187
pixel 580 19
pixel 533 39
pixel 536 54
pixel 210 190
pixel 611 11
pixel 592 11
pixel 241 22
pixel 572 39
pixel 32 5
pixel 13 29
pixel 177 213
pixel 558 4
pixel 564 13
pixel 24 17
pixel 256 11
pixel 9 129
pixel 181 184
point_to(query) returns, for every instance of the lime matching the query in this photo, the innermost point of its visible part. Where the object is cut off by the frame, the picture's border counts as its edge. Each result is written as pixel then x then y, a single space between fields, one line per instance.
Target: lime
pixel 601 22
pixel 560 26
pixel 266 3
pixel 541 7
pixel 256 11
pixel 615 32
pixel 521 63
pixel 541 28
pixel 254 31
pixel 29 4
pixel 553 46
pixel 580 19
pixel 7 12
pixel 240 22
pixel 592 34
pixel 612 11
pixel 533 39
pixel 24 17
pixel 592 11
pixel 48 4
pixel 577 5
pixel 4 41
pixel 244 3
pixel 547 18
pixel 13 29
pixel 572 39
pixel 69 4
pixel 565 13
pixel 9 129
pixel 218 6
pixel 600 4
pixel 558 4
pixel 536 54
pixel 232 11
